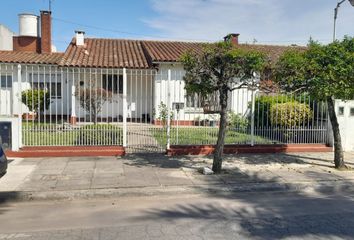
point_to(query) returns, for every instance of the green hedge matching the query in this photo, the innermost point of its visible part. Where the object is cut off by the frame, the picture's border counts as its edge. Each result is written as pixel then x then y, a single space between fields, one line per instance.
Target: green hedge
pixel 264 104
pixel 290 114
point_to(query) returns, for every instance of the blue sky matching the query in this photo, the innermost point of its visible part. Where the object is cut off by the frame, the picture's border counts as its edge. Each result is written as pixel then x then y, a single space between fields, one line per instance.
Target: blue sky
pixel 280 22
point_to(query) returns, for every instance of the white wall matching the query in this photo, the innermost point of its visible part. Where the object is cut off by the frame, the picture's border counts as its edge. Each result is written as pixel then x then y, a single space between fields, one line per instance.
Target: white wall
pixel 16 131
pixel 7 92
pixel 32 75
pixel 146 89
pixel 238 99
pixel 6 38
pixel 139 93
pixel 346 124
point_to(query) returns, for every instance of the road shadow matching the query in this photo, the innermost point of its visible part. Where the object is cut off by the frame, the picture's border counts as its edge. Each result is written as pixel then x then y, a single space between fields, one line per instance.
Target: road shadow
pixel 327 212
pixel 190 161
pixel 159 160
pixel 6 198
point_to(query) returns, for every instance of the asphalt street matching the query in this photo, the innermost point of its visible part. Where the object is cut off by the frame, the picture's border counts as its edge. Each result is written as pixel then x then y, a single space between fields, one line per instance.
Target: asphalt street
pixel 257 215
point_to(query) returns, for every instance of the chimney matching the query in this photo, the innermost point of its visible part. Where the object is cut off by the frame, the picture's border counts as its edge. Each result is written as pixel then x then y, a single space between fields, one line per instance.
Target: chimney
pixel 28 39
pixel 46 32
pixel 232 38
pixel 80 38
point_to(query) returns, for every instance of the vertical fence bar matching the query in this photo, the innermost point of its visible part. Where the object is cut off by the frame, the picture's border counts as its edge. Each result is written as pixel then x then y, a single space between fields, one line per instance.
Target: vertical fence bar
pixel 63 140
pixel 125 106
pixel 19 113
pixel 168 110
pixel 28 86
pixel 252 116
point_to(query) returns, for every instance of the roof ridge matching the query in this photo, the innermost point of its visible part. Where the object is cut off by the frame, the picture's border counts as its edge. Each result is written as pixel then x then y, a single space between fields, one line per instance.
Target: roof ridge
pixel 146 40
pixel 34 53
pixel 271 45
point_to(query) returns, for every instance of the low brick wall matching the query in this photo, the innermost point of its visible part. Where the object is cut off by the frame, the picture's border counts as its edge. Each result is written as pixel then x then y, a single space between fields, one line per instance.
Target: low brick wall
pixel 233 149
pixel 74 151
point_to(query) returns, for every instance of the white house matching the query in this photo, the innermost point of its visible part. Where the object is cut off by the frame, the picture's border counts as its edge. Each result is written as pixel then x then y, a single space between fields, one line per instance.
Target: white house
pixel 104 80
pixel 6 38
pixel 102 61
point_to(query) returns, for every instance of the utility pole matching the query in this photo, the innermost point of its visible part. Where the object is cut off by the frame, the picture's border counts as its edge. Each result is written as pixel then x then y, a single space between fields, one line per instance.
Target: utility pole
pixel 50 5
pixel 336 15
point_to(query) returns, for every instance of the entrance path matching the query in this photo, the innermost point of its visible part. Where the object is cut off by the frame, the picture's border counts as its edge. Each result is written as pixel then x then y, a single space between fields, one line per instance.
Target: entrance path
pixel 140 138
pixel 149 174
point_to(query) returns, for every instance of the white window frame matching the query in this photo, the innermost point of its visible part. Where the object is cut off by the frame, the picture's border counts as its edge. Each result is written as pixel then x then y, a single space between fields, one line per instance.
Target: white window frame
pixel 46 78
pixel 8 78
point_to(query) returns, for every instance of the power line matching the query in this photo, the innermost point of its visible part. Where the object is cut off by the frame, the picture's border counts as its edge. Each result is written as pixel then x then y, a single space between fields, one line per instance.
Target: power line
pixel 161 37
pixel 122 32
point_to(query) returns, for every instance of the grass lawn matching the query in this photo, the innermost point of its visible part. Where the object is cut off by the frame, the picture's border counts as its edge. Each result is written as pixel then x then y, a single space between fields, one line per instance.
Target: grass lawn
pixel 45 134
pixel 203 135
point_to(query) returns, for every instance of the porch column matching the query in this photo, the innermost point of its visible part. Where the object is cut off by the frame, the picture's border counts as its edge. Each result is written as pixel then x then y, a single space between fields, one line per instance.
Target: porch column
pixel 73 118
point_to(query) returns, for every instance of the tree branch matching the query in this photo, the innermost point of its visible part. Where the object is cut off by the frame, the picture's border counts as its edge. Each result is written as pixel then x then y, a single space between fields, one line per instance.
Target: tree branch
pixel 238 87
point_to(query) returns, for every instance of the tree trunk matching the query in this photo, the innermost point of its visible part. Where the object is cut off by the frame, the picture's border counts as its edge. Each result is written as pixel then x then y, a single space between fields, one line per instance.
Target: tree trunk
pixel 217 163
pixel 338 150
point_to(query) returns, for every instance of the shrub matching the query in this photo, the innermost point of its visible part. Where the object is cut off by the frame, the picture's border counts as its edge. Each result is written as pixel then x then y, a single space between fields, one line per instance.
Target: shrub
pixel 290 114
pixel 100 134
pixel 264 105
pixel 237 121
pixel 163 114
pixel 35 99
pixel 262 108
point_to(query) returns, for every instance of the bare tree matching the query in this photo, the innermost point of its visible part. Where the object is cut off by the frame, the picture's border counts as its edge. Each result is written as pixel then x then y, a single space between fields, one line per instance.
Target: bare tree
pixel 92 97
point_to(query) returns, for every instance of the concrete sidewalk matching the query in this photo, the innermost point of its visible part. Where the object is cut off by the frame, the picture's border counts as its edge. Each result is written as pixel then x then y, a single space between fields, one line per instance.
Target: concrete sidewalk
pixel 69 178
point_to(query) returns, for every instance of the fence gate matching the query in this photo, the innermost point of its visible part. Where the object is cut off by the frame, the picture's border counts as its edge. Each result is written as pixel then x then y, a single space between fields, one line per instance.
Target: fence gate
pixel 144 134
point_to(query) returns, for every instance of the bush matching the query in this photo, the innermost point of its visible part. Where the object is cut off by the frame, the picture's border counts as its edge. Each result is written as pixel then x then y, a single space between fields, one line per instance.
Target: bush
pixel 262 108
pixel 100 134
pixel 290 114
pixel 163 114
pixel 35 99
pixel 264 105
pixel 237 121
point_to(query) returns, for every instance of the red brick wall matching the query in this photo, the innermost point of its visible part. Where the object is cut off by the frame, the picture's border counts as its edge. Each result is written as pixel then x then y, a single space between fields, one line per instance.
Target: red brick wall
pixel 26 44
pixel 46 32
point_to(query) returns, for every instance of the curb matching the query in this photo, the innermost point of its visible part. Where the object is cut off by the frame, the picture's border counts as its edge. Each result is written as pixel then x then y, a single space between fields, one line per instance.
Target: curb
pixel 214 190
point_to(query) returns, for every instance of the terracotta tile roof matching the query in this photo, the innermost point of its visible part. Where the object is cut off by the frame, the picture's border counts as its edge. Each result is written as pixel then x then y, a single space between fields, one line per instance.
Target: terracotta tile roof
pixel 30 57
pixel 166 51
pixel 172 51
pixel 272 51
pixel 120 53
pixel 106 53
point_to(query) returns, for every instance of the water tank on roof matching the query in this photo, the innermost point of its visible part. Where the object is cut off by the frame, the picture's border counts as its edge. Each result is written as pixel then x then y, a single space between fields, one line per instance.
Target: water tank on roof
pixel 29 25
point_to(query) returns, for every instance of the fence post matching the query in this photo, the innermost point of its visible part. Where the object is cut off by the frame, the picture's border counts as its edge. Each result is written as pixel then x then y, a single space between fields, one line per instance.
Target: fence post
pixel 125 107
pixel 19 100
pixel 330 138
pixel 73 101
pixel 252 115
pixel 168 110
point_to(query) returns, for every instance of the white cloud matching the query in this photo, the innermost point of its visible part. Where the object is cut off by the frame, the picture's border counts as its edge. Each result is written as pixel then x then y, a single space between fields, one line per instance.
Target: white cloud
pixel 268 21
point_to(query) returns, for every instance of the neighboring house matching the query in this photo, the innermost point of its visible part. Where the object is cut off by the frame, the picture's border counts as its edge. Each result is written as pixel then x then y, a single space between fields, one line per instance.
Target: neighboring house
pixel 6 36
pixel 33 64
